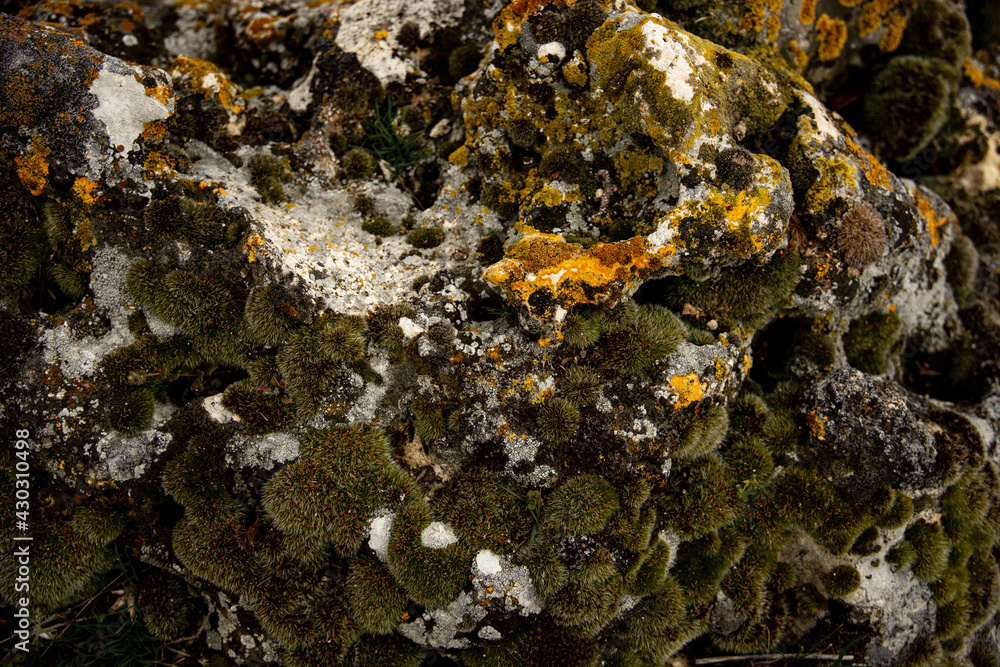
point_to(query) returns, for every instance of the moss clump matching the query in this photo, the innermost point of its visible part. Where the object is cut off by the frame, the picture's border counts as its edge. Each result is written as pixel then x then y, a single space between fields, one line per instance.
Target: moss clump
pixel 376 600
pixel 267 173
pixel 463 61
pixel 908 103
pixel 261 409
pixel 581 506
pixel 901 555
pixel 930 549
pixel 655 333
pixel 746 295
pixel 703 498
pixel 898 514
pixel 344 475
pixel 425 237
pixel 861 237
pixel 702 562
pixel 431 576
pixel 869 341
pixel 487 510
pixel 427 419
pixel 962 265
pixel 704 434
pixel 557 421
pixel 581 331
pixel 841 580
pixel 165 604
pixel 378 226
pixel 266 316
pixel 358 163
pixel 580 385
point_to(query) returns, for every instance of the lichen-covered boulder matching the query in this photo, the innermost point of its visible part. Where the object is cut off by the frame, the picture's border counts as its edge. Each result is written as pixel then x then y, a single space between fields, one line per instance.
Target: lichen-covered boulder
pixel 546 333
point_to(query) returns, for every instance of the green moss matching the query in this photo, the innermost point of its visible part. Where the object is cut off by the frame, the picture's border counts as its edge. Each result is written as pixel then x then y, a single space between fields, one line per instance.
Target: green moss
pixel 267 173
pixel 659 625
pixel 425 237
pixel 71 283
pixel 485 511
pixel 898 514
pixel 747 295
pixel 870 339
pixel 557 421
pixel 808 501
pixel 431 577
pixel 782 576
pixel 938 29
pixel 129 411
pixel 810 600
pixel 98 526
pixel 378 226
pixel 376 600
pixel 926 652
pixel 581 506
pixel 344 475
pixel 901 555
pixel 648 574
pixel 619 318
pixel 634 522
pixel 463 61
pixel 548 573
pixel 138 324
pixel 702 498
pixel 701 563
pixel 744 585
pixel 704 434
pixel 984 654
pixel 867 542
pixel 930 549
pixel 655 333
pixel 962 265
pixel 581 330
pixel 265 315
pixel 23 247
pixel 427 419
pixel 166 606
pixel 196 479
pixel 908 103
pixel 358 163
pixel 588 601
pixel 261 410
pixel 841 580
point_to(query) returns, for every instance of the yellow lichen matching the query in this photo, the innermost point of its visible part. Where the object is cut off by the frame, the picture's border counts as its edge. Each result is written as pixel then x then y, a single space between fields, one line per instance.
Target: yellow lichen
pixel 800 57
pixel 807 12
pixel 831 34
pixel 977 77
pixel 935 220
pixel 689 389
pixel 817 425
pixel 210 81
pixel 82 188
pixel 252 246
pixel 874 171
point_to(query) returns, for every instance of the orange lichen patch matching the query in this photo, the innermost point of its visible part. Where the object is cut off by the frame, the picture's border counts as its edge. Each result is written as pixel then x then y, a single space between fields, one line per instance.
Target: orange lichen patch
pixel 817 425
pixel 252 246
pixel 894 26
pixel 850 3
pixel 32 169
pixel 207 79
pixel 545 263
pixel 876 173
pixel 460 157
pixel 160 92
pixel 755 11
pixel 800 57
pixel 807 12
pixel 382 34
pixel 832 35
pixel 689 389
pixel 974 73
pixel 82 188
pixel 154 130
pixel 935 220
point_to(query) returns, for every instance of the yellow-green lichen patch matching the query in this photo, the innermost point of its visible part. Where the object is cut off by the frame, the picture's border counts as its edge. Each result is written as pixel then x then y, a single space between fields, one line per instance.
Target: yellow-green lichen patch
pixel 935 219
pixel 831 34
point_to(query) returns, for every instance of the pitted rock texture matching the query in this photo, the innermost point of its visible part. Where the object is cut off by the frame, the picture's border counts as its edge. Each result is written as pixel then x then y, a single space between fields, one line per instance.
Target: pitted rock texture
pixel 528 334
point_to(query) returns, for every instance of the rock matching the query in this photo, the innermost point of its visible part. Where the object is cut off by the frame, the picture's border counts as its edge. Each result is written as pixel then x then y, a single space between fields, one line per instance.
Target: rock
pixel 540 333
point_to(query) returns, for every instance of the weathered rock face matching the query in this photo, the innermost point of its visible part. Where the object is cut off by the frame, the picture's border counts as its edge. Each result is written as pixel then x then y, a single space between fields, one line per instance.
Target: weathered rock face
pixel 547 333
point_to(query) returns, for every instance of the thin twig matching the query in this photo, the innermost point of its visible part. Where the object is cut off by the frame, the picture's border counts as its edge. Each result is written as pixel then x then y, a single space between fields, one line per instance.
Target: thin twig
pixel 775 656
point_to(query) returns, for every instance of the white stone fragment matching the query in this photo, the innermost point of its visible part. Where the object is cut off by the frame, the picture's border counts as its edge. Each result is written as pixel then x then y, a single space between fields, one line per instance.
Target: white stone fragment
pixel 488 562
pixel 410 328
pixel 379 540
pixel 124 107
pixel 552 49
pixel 438 536
pixel 671 56
pixel 217 412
